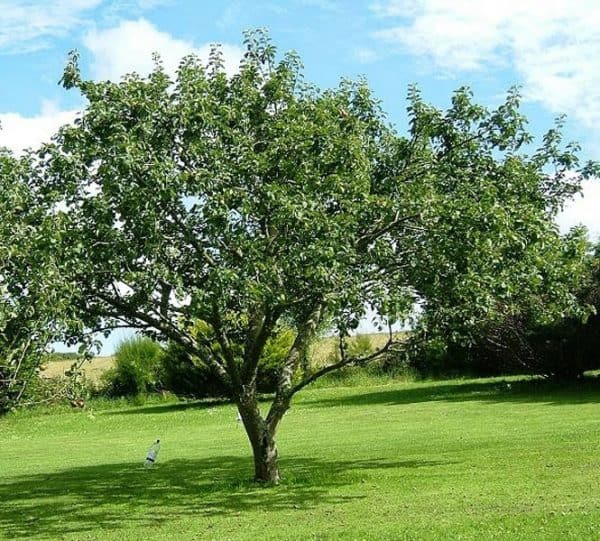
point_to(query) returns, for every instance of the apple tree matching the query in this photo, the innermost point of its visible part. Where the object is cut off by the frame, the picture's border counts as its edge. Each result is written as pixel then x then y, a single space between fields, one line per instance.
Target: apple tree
pixel 252 201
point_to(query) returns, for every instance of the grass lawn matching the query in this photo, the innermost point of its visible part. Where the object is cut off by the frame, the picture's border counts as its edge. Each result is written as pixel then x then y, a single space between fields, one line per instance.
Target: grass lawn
pixel 439 460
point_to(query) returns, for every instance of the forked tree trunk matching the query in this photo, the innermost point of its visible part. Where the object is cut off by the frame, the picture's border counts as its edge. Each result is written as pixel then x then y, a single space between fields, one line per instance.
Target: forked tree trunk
pixel 262 440
pixel 261 431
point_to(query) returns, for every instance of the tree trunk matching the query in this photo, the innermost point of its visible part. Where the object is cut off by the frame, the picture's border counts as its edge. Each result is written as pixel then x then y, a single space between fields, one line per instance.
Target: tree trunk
pixel 262 440
pixel 266 463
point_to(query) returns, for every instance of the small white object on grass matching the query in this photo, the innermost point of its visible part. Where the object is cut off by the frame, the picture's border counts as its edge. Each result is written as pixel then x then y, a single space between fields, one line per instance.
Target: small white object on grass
pixel 152 454
pixel 239 418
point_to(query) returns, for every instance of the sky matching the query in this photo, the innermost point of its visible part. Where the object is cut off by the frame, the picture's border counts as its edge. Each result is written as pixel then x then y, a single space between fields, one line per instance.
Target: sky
pixel 550 48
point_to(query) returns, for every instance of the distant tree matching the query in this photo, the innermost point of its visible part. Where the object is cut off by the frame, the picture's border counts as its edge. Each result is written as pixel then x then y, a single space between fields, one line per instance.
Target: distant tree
pixel 495 249
pixel 256 199
pixel 495 268
pixel 563 346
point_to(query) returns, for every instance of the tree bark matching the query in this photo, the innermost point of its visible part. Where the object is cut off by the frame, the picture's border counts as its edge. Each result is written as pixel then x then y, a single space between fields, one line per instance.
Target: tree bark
pixel 262 440
pixel 266 460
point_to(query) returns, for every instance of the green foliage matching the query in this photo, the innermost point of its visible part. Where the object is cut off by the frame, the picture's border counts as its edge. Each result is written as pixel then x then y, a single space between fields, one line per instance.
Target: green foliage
pixel 138 363
pixel 201 209
pixel 273 359
pixel 32 307
pixel 532 337
pixel 189 376
pixel 248 201
pixel 495 247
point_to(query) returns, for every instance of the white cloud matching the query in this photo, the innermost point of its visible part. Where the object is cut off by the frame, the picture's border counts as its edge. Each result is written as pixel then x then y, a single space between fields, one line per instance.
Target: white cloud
pixel 19 132
pixel 554 46
pixel 129 47
pixel 26 24
pixel 365 55
pixel 583 210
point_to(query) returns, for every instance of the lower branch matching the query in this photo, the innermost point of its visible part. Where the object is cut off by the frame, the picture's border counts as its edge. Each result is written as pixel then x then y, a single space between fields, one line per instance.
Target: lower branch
pixel 345 361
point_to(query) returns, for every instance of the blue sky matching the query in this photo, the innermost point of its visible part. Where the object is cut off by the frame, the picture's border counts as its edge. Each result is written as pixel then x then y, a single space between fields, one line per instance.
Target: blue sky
pixel 551 48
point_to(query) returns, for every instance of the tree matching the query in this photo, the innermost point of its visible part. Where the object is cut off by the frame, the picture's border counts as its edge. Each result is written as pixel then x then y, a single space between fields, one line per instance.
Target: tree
pixel 248 202
pixel 495 256
pixel 544 330
pixel 32 304
pixel 495 247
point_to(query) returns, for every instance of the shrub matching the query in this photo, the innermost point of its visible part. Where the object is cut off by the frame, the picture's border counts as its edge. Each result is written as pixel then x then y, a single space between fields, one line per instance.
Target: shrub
pixel 272 358
pixel 189 376
pixel 138 366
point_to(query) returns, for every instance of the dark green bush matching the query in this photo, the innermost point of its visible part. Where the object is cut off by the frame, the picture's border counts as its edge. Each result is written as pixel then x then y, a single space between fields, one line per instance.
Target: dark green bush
pixel 189 376
pixel 138 368
pixel 563 350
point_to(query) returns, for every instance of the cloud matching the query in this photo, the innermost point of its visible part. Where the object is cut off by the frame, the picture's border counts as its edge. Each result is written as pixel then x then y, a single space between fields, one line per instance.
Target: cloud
pixel 129 47
pixel 554 47
pixel 365 55
pixel 19 132
pixel 26 25
pixel 583 210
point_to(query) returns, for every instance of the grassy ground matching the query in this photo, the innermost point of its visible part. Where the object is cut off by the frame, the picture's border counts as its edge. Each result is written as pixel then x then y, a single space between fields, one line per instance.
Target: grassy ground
pixel 443 460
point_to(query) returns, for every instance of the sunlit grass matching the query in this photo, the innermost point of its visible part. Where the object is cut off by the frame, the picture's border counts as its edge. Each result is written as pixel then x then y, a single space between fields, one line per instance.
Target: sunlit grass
pixel 486 459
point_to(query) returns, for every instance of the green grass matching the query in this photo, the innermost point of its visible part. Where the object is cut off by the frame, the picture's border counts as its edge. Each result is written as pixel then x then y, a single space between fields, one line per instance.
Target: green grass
pixel 437 460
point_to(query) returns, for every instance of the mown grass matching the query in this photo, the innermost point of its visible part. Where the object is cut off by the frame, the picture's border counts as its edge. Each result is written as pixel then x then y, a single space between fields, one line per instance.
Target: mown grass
pixel 474 459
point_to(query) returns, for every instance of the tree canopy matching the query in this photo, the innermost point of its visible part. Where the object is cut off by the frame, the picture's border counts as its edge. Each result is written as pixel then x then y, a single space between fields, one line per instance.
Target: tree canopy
pixel 492 245
pixel 249 201
pixel 33 306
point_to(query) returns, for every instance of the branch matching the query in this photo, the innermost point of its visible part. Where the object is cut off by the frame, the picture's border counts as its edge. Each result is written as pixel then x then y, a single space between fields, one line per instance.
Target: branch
pixel 223 340
pixel 282 397
pixel 164 298
pixel 345 361
pixel 191 238
pixel 377 233
pixel 259 332
pixel 167 328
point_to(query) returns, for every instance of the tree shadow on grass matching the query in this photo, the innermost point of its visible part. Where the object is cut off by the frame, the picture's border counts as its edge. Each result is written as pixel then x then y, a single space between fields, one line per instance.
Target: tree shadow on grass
pixel 204 403
pixel 170 407
pixel 496 391
pixel 112 496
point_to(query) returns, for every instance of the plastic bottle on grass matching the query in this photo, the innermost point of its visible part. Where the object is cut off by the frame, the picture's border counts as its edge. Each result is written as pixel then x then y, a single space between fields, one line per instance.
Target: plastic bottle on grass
pixel 152 455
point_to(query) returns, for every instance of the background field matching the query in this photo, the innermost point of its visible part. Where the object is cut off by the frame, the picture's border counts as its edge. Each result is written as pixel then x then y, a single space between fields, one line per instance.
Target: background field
pixel 92 369
pixel 481 459
pixel 98 365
